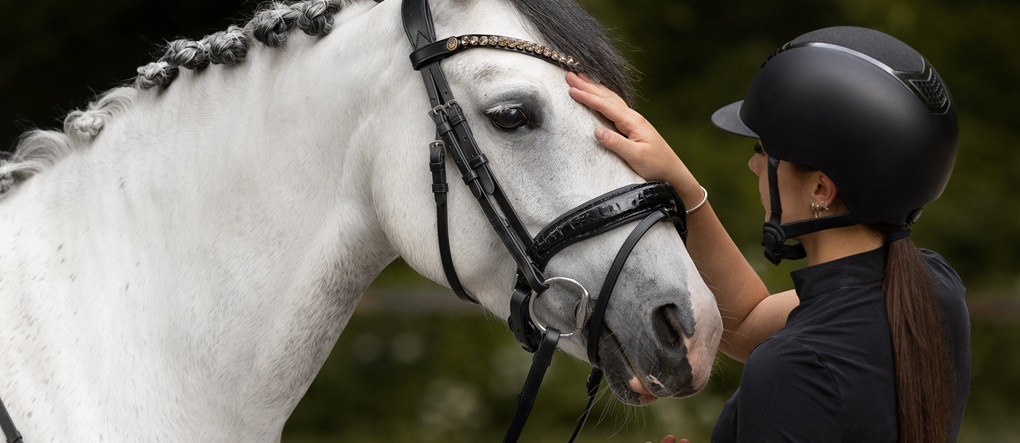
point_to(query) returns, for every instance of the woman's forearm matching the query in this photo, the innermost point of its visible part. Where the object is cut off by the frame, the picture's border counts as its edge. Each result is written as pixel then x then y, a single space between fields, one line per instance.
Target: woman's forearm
pixel 749 314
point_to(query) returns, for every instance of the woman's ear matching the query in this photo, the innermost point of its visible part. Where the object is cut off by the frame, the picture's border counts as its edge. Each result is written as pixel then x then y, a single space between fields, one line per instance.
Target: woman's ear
pixel 824 190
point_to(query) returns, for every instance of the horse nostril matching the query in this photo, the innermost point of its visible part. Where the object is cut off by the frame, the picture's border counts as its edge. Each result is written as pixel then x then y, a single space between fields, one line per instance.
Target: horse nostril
pixel 671 325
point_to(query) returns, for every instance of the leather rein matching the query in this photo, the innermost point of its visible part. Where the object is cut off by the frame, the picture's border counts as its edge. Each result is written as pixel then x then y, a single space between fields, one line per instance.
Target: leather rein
pixel 648 202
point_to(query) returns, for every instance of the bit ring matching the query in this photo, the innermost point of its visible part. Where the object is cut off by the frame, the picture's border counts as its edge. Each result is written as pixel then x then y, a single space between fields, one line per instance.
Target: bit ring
pixel 580 312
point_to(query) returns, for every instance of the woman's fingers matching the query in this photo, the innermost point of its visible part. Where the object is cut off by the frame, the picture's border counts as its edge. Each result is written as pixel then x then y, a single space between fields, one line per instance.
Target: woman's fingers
pixel 600 104
pixel 614 141
pixel 605 102
pixel 585 84
pixel 636 142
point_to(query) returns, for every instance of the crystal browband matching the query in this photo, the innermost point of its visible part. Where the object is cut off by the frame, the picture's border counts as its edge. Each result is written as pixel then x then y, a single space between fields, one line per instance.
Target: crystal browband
pixel 442 49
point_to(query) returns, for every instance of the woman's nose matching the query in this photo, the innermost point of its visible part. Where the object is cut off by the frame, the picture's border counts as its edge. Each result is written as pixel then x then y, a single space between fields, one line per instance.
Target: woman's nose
pixel 754 164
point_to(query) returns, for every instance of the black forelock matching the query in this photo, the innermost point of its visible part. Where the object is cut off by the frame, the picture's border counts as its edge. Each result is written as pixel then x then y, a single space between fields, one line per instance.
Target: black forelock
pixel 564 25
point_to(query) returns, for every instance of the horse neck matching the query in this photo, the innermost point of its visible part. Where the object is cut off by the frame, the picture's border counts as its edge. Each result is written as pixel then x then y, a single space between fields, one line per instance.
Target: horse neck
pixel 252 172
pixel 219 232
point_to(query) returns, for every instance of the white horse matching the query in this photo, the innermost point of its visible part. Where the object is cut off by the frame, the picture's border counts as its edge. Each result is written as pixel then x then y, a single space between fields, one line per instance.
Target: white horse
pixel 181 259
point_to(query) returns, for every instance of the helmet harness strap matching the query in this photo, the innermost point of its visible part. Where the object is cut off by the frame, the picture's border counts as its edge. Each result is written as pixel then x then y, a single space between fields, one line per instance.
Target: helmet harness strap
pixel 773 236
pixel 775 233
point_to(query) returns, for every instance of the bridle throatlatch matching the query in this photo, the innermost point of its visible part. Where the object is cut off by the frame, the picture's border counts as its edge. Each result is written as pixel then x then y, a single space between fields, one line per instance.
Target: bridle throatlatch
pixel 648 203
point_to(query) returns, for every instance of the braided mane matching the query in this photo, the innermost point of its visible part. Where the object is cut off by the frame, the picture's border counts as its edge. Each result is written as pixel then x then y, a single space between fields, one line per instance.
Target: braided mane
pixel 38 150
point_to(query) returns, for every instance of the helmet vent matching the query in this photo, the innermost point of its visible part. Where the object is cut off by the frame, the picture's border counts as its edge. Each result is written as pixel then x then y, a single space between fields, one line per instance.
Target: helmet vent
pixel 931 91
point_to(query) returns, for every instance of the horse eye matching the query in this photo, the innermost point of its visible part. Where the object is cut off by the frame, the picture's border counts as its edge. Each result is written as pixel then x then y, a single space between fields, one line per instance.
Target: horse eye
pixel 509 118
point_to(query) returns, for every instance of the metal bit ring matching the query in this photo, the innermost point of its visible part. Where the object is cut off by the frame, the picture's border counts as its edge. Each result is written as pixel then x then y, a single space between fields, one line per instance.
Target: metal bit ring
pixel 580 312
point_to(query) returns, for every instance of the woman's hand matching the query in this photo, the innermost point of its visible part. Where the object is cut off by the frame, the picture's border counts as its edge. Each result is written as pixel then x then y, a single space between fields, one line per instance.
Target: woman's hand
pixel 636 141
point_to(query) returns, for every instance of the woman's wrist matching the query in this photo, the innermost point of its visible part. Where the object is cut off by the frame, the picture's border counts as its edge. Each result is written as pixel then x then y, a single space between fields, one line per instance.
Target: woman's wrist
pixel 691 207
pixel 690 191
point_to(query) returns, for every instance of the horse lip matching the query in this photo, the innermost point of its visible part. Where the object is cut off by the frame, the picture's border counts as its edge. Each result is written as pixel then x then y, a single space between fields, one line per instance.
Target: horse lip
pixel 645 396
pixel 620 385
pixel 631 385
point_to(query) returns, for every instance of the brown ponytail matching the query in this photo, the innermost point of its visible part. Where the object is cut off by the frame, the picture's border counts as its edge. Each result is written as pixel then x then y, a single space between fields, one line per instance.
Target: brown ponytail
pixel 920 352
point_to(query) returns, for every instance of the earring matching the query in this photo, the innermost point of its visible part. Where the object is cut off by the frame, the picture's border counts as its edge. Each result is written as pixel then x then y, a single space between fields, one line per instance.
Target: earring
pixel 818 208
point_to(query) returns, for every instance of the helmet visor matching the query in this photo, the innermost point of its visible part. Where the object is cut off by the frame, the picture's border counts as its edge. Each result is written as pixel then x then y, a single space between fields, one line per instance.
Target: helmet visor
pixel 728 119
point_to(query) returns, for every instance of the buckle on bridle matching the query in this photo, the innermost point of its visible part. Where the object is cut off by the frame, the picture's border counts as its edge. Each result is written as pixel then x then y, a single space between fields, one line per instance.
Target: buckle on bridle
pixel 442 108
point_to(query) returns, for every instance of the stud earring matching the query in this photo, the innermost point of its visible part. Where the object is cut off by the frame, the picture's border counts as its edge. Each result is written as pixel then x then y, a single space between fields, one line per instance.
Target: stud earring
pixel 818 208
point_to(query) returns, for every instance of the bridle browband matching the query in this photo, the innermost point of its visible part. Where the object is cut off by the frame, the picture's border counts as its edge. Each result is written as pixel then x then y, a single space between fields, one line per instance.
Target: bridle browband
pixel 648 202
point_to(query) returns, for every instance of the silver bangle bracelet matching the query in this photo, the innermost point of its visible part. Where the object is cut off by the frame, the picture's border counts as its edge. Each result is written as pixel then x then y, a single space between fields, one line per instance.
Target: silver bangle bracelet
pixel 701 203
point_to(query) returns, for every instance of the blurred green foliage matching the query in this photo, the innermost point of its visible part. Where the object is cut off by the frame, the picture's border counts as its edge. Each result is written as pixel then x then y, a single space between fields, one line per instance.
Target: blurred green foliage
pixel 453 376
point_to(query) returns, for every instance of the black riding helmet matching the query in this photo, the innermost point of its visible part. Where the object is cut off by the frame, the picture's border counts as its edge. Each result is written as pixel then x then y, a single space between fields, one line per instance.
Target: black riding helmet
pixel 860 106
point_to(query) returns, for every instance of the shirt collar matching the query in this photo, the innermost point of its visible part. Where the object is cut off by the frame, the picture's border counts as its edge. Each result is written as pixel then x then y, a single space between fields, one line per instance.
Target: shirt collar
pixel 866 267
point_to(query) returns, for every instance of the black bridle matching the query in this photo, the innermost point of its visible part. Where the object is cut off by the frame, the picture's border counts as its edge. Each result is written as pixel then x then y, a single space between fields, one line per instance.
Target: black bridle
pixel 648 202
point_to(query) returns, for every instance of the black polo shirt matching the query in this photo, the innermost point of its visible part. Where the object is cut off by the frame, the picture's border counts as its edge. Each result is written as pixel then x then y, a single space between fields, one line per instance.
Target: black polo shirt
pixel 827 376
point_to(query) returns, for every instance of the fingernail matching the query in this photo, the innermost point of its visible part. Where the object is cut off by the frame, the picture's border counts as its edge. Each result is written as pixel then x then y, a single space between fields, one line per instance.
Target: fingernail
pixel 600 133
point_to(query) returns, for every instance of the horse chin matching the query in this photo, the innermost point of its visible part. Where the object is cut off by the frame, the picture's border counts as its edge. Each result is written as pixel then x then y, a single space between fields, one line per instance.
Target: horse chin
pixel 640 384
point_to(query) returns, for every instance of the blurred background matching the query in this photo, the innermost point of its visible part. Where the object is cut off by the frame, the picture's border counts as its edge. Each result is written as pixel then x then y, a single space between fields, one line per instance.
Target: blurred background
pixel 415 365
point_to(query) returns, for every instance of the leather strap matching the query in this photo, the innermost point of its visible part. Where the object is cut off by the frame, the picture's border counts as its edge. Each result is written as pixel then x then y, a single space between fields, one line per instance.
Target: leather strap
pixel 596 319
pixel 417 18
pixel 526 399
pixel 773 234
pixel 437 164
pixel 592 387
pixel 603 213
pixel 452 129
pixel 7 424
pixel 519 321
pixel 598 314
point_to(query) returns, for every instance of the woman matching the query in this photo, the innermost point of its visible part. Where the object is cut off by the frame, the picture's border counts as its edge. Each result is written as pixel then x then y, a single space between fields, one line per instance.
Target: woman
pixel 856 133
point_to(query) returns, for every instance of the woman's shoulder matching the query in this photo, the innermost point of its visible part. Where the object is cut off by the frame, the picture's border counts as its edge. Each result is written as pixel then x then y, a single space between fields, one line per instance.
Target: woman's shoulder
pixel 947 283
pixel 941 271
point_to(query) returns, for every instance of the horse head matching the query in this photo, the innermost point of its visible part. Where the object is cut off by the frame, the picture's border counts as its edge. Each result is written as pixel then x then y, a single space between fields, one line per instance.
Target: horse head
pixel 662 327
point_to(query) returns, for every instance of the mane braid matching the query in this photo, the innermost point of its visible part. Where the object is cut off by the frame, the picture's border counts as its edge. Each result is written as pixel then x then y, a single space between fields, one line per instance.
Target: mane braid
pixel 38 150
pixel 564 25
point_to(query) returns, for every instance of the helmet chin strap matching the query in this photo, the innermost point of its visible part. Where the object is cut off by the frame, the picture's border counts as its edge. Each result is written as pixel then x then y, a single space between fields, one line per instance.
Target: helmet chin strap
pixel 775 233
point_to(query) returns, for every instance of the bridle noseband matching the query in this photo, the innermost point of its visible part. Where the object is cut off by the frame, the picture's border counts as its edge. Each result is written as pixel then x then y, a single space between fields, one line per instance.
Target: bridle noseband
pixel 648 202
